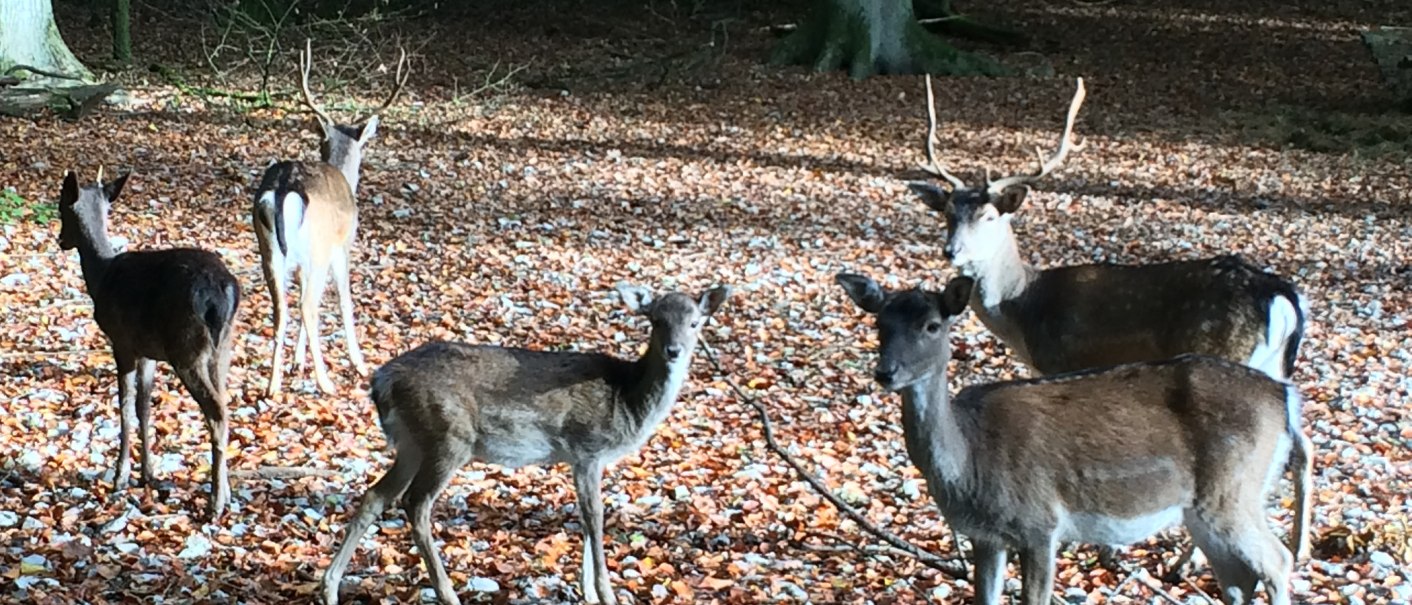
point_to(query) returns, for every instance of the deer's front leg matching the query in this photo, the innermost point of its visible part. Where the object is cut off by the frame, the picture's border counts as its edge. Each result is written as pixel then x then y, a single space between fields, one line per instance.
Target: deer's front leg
pixel 127 392
pixel 1037 573
pixel 146 375
pixel 989 571
pixel 588 481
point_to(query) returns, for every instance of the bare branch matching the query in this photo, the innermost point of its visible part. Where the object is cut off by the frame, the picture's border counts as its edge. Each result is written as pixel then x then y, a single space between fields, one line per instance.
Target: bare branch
pixel 399 80
pixel 933 166
pixel 284 472
pixel 929 559
pixel 1045 166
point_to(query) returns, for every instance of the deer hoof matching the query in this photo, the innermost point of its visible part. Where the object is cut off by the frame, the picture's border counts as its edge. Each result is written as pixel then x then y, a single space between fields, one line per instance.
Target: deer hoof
pixel 326 386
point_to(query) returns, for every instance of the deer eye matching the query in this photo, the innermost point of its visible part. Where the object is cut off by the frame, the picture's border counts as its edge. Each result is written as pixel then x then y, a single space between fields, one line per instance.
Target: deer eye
pixel 695 324
pixel 933 327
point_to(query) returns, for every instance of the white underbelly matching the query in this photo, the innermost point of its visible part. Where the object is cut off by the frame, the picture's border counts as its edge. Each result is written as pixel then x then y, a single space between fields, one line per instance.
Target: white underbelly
pixel 1096 528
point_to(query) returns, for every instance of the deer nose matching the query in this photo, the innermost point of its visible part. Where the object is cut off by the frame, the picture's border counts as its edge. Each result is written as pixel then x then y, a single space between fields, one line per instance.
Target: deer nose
pixel 673 352
pixel 884 376
pixel 949 252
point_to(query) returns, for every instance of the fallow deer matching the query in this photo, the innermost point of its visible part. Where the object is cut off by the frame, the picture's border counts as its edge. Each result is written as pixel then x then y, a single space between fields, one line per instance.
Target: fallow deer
pixel 1108 455
pixel 305 216
pixel 175 305
pixel 445 404
pixel 1076 317
pixel 1083 316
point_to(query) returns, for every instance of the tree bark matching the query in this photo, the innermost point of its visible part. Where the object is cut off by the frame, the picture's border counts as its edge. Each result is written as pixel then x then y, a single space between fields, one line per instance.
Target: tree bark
pixel 29 36
pixel 122 31
pixel 870 37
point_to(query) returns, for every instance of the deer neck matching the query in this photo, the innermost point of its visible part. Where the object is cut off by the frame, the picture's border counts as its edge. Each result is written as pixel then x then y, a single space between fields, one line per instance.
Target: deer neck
pixel 350 168
pixel 935 439
pixel 1004 276
pixel 658 383
pixel 95 254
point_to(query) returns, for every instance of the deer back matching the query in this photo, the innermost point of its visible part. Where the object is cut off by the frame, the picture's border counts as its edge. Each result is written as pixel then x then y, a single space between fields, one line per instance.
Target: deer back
pixel 320 214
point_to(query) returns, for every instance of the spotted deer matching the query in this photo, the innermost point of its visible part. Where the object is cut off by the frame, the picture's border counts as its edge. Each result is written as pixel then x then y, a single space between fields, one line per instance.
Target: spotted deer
pixel 1107 455
pixel 305 217
pixel 1076 317
pixel 445 404
pixel 175 305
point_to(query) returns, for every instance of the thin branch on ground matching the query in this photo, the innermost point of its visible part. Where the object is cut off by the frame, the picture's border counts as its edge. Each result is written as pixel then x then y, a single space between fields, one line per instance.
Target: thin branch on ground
pixel 43 72
pixel 284 472
pixel 932 560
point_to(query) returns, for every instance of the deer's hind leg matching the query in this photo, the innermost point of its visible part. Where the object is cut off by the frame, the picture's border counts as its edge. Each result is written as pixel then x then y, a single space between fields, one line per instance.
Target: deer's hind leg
pixel 387 489
pixel 199 382
pixel 146 373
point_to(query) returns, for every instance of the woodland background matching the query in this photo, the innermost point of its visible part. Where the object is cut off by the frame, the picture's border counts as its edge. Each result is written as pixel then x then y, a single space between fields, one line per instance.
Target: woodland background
pixel 546 150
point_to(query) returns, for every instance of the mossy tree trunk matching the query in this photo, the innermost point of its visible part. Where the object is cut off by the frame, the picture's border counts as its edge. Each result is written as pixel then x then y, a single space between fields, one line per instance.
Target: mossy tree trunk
pixel 870 37
pixel 122 31
pixel 37 70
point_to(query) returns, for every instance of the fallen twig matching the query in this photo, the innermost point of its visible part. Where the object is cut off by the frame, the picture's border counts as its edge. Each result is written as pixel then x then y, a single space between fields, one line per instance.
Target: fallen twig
pixel 284 472
pixel 948 567
pixel 43 72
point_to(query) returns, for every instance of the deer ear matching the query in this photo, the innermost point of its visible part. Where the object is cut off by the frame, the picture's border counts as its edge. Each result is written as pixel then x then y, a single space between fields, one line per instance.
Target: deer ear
pixel 934 197
pixel 369 129
pixel 713 299
pixel 68 194
pixel 112 188
pixel 863 290
pixel 1008 201
pixel 637 298
pixel 957 295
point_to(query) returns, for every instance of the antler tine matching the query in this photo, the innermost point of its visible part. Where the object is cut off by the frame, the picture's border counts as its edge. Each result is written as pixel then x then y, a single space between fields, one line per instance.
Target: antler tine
pixel 399 81
pixel 1046 166
pixel 934 167
pixel 306 60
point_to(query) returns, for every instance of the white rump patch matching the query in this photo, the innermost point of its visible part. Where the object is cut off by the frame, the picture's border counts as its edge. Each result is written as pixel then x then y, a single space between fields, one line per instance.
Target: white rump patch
pixel 1097 528
pixel 294 236
pixel 1280 324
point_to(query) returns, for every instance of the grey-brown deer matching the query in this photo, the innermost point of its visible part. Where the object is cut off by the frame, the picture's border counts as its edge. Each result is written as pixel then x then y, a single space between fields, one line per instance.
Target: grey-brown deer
pixel 445 404
pixel 305 217
pixel 175 305
pixel 1108 455
pixel 1083 316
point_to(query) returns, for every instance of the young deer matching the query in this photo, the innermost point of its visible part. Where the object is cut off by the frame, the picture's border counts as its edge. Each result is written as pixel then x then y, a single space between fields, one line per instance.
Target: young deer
pixel 305 216
pixel 444 404
pixel 176 306
pixel 1083 316
pixel 1109 455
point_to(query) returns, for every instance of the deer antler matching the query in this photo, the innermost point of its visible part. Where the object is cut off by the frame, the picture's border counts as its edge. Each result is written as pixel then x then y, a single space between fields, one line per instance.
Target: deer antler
pixel 399 81
pixel 306 59
pixel 1046 165
pixel 933 167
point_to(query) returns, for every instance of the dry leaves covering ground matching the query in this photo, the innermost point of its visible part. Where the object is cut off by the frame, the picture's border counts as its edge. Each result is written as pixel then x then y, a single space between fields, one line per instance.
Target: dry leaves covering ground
pixel 507 217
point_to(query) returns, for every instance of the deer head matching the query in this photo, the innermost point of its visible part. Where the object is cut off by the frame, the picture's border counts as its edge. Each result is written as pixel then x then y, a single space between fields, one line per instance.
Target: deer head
pixel 978 218
pixel 342 142
pixel 914 326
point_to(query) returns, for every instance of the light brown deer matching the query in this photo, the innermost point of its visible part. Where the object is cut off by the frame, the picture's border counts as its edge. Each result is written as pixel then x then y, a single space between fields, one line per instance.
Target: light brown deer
pixel 1108 455
pixel 1076 317
pixel 445 404
pixel 305 217
pixel 175 305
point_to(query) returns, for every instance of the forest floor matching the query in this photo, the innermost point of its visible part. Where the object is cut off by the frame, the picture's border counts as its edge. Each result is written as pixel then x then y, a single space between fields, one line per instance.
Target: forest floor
pixel 649 142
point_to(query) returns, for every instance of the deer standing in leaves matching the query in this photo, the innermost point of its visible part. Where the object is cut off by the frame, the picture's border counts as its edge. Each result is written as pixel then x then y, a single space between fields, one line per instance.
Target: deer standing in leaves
pixel 305 216
pixel 175 305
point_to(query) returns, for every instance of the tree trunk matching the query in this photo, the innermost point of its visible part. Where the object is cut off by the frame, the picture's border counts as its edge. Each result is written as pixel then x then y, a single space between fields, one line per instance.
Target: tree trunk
pixel 869 37
pixel 122 31
pixel 29 36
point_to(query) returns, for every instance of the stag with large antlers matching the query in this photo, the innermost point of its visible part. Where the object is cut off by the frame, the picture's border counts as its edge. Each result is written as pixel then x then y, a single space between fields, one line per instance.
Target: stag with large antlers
pixel 305 217
pixel 1078 317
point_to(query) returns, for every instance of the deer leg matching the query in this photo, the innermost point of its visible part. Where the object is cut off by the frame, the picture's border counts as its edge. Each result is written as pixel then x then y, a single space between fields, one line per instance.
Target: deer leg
pixel 1037 572
pixel 1237 556
pixel 275 275
pixel 197 379
pixel 127 392
pixel 345 302
pixel 311 293
pixel 588 481
pixel 382 493
pixel 989 571
pixel 421 494
pixel 146 375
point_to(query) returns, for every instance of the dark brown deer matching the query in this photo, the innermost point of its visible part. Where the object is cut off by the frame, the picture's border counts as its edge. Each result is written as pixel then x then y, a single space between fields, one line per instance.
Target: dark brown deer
pixel 445 404
pixel 1108 455
pixel 176 306
pixel 1083 316
pixel 305 216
